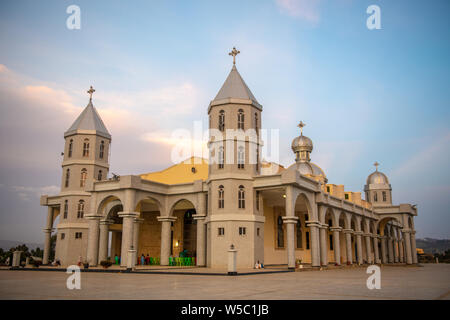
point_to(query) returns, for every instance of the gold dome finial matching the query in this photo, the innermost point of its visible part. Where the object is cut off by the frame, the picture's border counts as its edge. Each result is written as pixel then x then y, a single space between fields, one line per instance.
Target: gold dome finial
pixel 234 53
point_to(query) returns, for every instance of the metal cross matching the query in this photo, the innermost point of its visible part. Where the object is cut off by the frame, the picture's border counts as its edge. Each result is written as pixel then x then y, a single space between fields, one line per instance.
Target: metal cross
pixel 234 53
pixel 301 125
pixel 376 164
pixel 91 91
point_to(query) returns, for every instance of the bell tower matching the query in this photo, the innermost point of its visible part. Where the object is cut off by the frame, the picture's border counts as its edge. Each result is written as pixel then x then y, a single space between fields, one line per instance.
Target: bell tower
pixel 234 145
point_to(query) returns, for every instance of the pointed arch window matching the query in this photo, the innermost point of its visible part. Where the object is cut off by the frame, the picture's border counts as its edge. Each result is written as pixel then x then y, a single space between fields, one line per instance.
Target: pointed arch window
pixel 67 178
pixel 241 197
pixel 100 175
pixel 222 120
pixel 241 119
pixel 86 148
pixel 70 147
pixel 221 157
pixel 298 232
pixel 375 196
pixel 221 197
pixel 102 149
pixel 80 211
pixel 83 177
pixel 241 157
pixel 280 233
pixel 66 208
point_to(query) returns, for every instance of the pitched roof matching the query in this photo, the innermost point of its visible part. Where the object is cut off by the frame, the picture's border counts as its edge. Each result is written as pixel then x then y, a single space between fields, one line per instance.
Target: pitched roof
pixel 88 122
pixel 235 87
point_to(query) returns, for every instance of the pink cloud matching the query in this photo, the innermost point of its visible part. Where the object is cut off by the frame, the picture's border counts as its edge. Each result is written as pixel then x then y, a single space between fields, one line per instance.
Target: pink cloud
pixel 303 9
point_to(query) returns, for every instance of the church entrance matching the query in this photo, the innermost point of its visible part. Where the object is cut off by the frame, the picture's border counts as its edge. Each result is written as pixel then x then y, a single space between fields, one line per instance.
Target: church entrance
pixel 189 233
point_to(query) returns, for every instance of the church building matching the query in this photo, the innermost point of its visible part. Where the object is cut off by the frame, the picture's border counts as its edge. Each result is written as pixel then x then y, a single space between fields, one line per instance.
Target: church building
pixel 201 207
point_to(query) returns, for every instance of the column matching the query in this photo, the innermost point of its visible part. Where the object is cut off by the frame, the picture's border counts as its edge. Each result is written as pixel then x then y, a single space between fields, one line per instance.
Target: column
pixel 166 223
pixel 290 235
pixel 93 237
pixel 383 250
pixel 395 244
pixel 407 237
pixel 401 251
pixel 323 245
pixel 413 246
pixel 359 246
pixel 48 235
pixel 336 245
pixel 348 244
pixel 390 244
pixel 376 254
pixel 136 226
pixel 201 240
pixel 104 238
pixel 367 238
pixel 127 234
pixel 315 246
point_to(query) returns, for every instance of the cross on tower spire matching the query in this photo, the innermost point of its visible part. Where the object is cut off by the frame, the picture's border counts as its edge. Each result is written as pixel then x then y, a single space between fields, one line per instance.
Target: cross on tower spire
pixel 376 164
pixel 91 91
pixel 234 53
pixel 301 125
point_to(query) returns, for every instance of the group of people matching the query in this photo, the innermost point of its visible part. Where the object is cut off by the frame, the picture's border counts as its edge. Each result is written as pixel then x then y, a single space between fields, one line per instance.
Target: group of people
pixel 259 265
pixel 145 260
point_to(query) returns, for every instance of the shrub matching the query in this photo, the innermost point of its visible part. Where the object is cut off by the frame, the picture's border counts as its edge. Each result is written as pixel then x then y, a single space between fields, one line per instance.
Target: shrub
pixel 106 263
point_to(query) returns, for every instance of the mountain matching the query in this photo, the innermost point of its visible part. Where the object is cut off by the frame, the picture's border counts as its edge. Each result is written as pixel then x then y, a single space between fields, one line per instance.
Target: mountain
pixel 430 245
pixel 8 244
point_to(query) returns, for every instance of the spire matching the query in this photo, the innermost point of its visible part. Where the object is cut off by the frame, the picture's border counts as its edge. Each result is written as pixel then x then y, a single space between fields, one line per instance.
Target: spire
pixel 376 164
pixel 301 125
pixel 89 121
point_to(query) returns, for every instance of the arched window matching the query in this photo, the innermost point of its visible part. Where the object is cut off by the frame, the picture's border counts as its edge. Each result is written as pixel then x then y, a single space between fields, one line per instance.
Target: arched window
pixel 80 212
pixel 241 119
pixel 67 178
pixel 375 196
pixel 222 120
pixel 102 149
pixel 299 234
pixel 221 157
pixel 99 177
pixel 70 147
pixel 221 197
pixel 66 208
pixel 384 196
pixel 86 148
pixel 83 177
pixel 241 157
pixel 280 233
pixel 241 197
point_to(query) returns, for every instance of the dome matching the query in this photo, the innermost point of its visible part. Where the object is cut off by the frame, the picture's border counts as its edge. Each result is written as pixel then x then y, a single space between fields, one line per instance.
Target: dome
pixel 307 168
pixel 302 143
pixel 377 177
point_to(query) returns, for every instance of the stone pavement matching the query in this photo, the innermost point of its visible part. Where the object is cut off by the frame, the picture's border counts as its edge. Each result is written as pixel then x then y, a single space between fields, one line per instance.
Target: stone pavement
pixel 430 281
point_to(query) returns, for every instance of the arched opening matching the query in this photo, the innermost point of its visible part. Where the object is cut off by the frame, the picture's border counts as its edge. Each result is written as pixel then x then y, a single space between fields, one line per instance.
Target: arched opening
pixel 302 211
pixel 184 230
pixel 148 230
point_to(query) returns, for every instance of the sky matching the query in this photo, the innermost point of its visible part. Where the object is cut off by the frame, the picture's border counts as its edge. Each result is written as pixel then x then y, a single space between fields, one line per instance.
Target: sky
pixel 366 95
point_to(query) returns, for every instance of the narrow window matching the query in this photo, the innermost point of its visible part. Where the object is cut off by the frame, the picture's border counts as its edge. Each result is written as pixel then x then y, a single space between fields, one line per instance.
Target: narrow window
pixel 221 197
pixel 331 242
pixel 80 212
pixel 328 189
pixel 63 235
pixel 221 157
pixel 83 178
pixel 222 120
pixel 299 235
pixel 86 148
pixel 257 232
pixel 67 178
pixel 280 233
pixel 102 149
pixel 375 197
pixel 257 158
pixel 70 148
pixel 307 240
pixel 66 208
pixel 242 231
pixel 346 196
pixel 384 196
pixel 99 177
pixel 256 122
pixel 241 197
pixel 221 231
pixel 257 200
pixel 241 119
pixel 241 157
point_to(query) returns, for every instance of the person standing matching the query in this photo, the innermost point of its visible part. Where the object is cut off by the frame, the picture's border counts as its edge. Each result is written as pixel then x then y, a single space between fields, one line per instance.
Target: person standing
pixel 142 259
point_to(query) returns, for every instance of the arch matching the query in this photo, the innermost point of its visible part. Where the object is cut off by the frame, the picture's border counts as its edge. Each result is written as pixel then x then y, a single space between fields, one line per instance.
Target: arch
pixel 221 120
pixel 107 201
pixel 221 196
pixel 102 149
pixel 240 119
pixel 67 178
pixel 303 204
pixel 181 203
pixel 86 147
pixel 241 197
pixel 70 148
pixel 148 203
pixel 83 177
pixel 380 224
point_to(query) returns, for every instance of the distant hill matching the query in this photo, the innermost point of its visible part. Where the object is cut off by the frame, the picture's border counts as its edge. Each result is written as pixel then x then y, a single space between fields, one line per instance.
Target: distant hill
pixel 8 244
pixel 430 245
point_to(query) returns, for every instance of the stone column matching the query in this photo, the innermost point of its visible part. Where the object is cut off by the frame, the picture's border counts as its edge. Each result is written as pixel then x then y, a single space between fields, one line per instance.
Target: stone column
pixel 136 226
pixel 290 235
pixel 367 237
pixel 336 244
pixel 395 244
pixel 127 235
pixel 104 238
pixel 48 235
pixel 359 246
pixel 323 245
pixel 166 223
pixel 383 250
pixel 315 246
pixel 376 255
pixel 390 250
pixel 93 239
pixel 348 244
pixel 201 240
pixel 413 246
pixel 401 251
pixel 407 237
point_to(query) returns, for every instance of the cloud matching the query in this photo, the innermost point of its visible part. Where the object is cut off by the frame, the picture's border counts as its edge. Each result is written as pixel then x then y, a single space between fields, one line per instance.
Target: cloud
pixel 33 193
pixel 307 10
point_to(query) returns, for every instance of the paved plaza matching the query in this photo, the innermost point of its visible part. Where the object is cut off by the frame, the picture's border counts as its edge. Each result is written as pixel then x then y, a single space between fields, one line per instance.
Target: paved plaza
pixel 430 281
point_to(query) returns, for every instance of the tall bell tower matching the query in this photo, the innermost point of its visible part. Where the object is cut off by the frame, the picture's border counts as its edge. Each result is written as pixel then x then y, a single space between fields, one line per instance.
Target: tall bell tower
pixel 234 217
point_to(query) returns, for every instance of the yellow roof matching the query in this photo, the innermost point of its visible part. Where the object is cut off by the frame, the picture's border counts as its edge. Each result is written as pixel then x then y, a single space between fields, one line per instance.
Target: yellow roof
pixel 188 171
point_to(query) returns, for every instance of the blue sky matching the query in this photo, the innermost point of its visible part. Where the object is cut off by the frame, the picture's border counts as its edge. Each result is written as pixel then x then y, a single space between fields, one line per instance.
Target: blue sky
pixel 366 95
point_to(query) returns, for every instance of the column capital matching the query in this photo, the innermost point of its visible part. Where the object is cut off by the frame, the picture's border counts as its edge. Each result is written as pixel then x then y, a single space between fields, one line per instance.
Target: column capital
pixel 138 220
pixel 128 214
pixel 106 222
pixel 289 219
pixel 165 218
pixel 338 229
pixel 406 230
pixel 313 223
pixel 347 231
pixel 92 216
pixel 199 216
pixel 358 233
pixel 367 234
pixel 323 226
